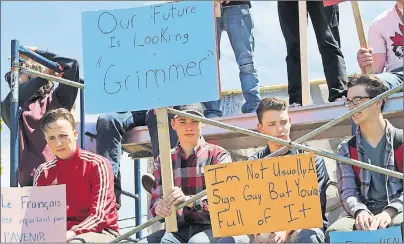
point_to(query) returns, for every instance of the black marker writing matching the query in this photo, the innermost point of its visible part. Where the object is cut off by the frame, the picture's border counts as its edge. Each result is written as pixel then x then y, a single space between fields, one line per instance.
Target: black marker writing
pixel 107 22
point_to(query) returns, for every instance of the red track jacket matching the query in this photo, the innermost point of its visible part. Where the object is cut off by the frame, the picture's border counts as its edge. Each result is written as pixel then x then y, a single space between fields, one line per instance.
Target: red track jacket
pixel 90 194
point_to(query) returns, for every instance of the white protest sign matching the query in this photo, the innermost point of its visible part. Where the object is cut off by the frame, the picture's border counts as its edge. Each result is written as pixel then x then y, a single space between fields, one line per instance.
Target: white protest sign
pixel 33 214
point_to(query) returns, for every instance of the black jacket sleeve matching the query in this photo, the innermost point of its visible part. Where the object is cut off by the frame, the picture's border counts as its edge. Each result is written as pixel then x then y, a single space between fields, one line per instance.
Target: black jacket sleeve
pixel 65 94
pixel 323 178
pixel 25 92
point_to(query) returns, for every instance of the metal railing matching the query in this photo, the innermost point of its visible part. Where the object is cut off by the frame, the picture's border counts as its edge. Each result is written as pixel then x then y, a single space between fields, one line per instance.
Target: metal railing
pixel 16 49
pixel 295 144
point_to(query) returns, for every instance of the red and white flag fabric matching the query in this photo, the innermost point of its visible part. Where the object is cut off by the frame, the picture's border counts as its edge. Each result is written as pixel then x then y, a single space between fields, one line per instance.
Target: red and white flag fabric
pixel 331 2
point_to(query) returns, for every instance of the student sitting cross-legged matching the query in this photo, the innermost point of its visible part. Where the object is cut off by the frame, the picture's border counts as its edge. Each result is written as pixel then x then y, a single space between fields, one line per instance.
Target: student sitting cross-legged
pixel 274 120
pixel 372 200
pixel 189 157
pixel 91 211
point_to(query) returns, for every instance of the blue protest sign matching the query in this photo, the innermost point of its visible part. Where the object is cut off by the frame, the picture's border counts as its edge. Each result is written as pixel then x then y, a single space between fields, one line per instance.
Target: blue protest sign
pixel 150 57
pixel 389 235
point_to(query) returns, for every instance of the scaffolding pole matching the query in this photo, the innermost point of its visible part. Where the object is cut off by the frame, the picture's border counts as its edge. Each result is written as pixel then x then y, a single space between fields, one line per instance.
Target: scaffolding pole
pixel 287 144
pixel 157 218
pixel 14 125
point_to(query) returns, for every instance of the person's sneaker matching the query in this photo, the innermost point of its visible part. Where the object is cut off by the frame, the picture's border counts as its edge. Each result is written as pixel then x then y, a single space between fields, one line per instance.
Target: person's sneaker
pixel 294 105
pixel 147 182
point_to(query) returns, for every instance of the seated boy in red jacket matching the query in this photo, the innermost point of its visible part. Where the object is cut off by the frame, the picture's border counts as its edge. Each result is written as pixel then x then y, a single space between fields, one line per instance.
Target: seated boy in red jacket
pixel 89 180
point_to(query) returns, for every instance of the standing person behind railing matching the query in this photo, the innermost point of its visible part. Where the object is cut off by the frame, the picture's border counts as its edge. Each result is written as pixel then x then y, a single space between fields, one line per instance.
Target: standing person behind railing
pixel 237 21
pixel 325 22
pixel 189 156
pixel 372 200
pixel 385 41
pixel 36 97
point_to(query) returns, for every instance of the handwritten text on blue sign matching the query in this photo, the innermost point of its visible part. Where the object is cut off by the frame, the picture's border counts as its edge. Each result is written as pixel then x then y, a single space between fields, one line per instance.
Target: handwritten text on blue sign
pixel 150 57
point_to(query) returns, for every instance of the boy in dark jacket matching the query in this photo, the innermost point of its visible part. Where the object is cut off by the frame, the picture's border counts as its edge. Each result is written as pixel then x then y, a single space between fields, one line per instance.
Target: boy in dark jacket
pixel 274 121
pixel 36 97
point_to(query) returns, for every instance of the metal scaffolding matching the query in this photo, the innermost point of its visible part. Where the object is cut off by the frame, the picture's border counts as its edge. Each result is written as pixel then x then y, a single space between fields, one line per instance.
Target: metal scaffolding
pixel 14 128
pixel 295 144
pixel 16 49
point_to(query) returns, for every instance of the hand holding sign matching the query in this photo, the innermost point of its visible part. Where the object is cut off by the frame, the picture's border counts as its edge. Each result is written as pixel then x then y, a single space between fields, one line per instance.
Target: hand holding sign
pixel 176 196
pixel 163 208
pixel 364 57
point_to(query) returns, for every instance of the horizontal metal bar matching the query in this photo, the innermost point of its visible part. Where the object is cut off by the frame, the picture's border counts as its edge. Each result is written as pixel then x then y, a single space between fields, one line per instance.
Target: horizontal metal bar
pixel 289 144
pixel 54 78
pixel 126 219
pixel 157 218
pixel 131 195
pixel 341 118
pixel 39 58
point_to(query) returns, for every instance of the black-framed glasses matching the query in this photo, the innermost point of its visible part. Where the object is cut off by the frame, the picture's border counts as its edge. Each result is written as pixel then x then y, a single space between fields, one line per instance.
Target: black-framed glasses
pixel 355 101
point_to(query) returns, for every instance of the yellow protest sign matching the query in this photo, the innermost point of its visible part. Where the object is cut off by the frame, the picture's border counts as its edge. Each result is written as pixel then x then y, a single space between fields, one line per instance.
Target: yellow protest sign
pixel 263 195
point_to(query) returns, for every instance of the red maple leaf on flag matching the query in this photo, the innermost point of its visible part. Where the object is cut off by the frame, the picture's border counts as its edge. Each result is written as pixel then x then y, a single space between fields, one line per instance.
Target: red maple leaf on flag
pixel 397 39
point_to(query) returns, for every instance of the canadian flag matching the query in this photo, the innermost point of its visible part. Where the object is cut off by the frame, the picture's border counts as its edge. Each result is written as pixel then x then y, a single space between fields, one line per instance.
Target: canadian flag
pixel 331 2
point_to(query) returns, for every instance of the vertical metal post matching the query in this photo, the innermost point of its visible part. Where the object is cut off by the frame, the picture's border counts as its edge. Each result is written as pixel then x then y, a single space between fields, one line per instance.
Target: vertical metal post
pixel 82 119
pixel 138 192
pixel 14 145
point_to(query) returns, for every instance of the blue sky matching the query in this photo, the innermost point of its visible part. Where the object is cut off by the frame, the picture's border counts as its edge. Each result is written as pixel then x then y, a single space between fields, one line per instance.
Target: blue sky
pixel 57 26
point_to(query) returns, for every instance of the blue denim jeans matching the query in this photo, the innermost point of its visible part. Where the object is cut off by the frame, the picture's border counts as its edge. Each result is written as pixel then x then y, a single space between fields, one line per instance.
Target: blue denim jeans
pixel 236 20
pixel 110 130
pixel 391 79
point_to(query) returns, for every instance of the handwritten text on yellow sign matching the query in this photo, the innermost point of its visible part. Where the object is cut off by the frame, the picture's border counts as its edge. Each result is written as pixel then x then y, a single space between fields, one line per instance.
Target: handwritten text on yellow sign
pixel 264 195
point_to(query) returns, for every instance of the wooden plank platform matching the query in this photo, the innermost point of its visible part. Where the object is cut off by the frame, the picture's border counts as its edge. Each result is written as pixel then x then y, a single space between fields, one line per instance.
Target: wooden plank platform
pixel 304 120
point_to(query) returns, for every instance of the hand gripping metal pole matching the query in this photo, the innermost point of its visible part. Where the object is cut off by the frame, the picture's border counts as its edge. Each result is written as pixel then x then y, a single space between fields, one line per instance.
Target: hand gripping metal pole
pixel 157 218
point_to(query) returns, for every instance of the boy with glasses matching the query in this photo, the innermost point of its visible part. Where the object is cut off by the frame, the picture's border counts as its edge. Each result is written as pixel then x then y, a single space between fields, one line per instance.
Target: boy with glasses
pixel 372 200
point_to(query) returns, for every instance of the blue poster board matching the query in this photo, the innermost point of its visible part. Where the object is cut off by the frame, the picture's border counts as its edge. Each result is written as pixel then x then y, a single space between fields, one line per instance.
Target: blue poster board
pixel 150 57
pixel 389 235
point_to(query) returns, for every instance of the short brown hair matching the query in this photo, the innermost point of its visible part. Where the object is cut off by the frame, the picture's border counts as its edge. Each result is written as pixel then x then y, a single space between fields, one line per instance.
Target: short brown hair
pixel 270 103
pixel 373 85
pixel 57 114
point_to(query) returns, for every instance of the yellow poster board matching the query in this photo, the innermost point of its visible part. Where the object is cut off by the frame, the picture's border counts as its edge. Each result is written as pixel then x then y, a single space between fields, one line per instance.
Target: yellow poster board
pixel 263 195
